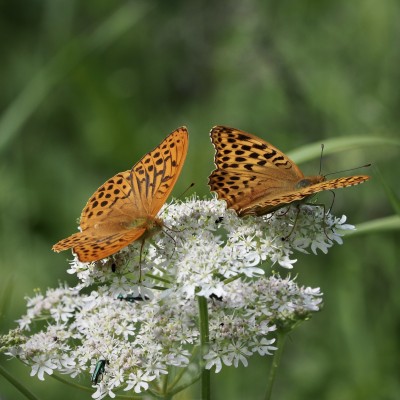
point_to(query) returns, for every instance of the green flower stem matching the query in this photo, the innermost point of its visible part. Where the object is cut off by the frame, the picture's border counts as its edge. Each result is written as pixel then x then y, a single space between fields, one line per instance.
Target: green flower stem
pixel 165 380
pixel 204 341
pixel 158 278
pixel 234 278
pixel 180 388
pixel 18 385
pixel 182 371
pixel 281 338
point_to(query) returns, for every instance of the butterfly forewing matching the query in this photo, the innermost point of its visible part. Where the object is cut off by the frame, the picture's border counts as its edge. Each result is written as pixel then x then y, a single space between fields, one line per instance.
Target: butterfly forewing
pixel 111 201
pixel 154 176
pixel 255 178
pixel 237 149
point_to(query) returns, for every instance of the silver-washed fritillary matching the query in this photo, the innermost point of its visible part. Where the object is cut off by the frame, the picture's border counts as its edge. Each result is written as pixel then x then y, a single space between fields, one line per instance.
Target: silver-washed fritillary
pixel 255 178
pixel 124 209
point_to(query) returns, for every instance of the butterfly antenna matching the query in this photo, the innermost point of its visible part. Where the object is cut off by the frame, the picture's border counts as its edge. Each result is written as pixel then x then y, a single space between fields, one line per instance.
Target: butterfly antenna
pixel 189 187
pixel 348 170
pixel 320 159
pixel 171 237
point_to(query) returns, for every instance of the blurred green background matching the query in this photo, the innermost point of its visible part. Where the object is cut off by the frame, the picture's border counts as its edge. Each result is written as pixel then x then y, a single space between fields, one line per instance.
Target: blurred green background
pixel 89 87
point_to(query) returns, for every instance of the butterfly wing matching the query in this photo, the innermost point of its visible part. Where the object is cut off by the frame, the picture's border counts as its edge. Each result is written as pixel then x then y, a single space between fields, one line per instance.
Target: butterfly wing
pixel 92 245
pixel 105 220
pixel 155 175
pixel 247 168
pixel 284 198
pixel 108 212
pixel 141 191
pixel 124 207
pixel 238 149
pixel 113 201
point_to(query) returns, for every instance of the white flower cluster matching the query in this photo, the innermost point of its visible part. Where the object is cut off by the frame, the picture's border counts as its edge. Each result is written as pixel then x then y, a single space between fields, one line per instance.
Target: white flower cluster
pixel 140 330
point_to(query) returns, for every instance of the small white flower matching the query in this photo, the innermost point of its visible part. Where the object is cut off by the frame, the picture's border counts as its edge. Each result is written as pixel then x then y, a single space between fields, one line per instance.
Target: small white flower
pixel 213 359
pixel 178 357
pixel 24 322
pixel 67 363
pixel 138 382
pixel 238 352
pixel 263 346
pixel 101 391
pixel 42 365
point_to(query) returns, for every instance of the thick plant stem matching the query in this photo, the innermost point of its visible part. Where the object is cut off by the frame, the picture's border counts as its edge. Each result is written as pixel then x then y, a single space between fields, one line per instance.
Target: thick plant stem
pixel 204 340
pixel 281 338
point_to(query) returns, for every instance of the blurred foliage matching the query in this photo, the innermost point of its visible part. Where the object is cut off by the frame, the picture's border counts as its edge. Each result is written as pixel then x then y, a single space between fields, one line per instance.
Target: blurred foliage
pixel 88 87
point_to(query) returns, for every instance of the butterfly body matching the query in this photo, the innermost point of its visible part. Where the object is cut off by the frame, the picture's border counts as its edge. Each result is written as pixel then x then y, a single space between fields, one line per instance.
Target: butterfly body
pixel 124 208
pixel 255 178
pixel 148 223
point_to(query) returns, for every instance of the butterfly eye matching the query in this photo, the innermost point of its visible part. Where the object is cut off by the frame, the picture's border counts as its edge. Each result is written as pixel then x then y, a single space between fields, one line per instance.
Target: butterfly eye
pixel 303 183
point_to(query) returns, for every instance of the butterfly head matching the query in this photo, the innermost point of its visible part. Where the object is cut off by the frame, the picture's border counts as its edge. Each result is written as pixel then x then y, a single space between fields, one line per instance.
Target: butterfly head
pixel 309 180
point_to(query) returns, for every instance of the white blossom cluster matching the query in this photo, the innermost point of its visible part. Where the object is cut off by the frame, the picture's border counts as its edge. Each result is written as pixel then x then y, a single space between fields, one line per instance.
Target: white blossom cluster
pixel 138 311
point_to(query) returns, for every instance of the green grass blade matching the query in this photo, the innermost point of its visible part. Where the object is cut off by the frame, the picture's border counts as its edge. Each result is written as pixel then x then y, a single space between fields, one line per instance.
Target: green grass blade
pixel 391 195
pixel 336 145
pixel 385 224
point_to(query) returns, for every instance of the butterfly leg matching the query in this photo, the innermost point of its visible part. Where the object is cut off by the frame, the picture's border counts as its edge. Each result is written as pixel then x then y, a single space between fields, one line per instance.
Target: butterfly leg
pixel 297 217
pixel 140 259
pixel 172 230
pixel 324 214
pixel 171 237
pixel 324 226
pixel 282 214
pixel 333 200
pixel 294 224
pixel 273 213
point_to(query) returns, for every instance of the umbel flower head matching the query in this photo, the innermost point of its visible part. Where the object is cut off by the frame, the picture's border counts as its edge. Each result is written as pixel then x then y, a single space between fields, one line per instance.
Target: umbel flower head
pixel 135 317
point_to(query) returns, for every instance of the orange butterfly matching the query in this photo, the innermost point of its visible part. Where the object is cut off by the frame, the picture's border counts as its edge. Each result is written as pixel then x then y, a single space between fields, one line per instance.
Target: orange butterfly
pixel 124 209
pixel 255 178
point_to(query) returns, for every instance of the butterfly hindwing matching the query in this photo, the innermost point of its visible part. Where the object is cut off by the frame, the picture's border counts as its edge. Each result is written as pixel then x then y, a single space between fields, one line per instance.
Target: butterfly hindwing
pixel 101 247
